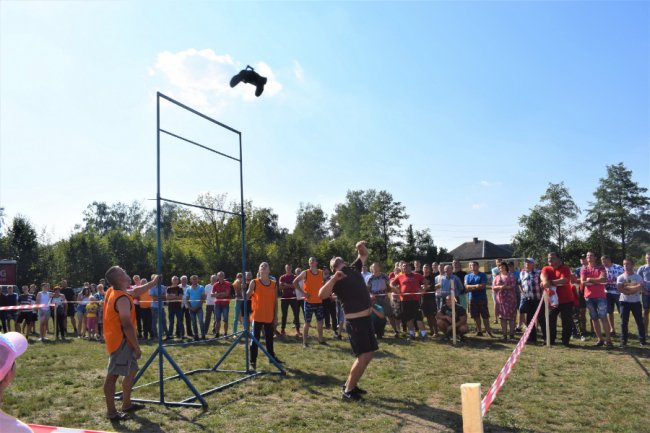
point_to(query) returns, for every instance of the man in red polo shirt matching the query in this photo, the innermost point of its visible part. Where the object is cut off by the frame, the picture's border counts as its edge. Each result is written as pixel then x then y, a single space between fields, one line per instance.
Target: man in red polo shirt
pixel 408 285
pixel 558 275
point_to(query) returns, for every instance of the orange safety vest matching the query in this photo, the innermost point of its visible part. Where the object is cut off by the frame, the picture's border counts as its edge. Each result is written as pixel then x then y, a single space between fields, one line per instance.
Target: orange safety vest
pixel 263 301
pixel 313 283
pixel 113 332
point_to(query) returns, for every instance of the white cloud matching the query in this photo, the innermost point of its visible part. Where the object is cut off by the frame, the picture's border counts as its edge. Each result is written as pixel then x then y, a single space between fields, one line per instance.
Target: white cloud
pixel 298 71
pixel 477 206
pixel 201 78
pixel 489 184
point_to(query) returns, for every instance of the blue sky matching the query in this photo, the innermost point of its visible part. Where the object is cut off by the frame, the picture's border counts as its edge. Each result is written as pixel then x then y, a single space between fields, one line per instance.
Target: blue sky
pixel 464 111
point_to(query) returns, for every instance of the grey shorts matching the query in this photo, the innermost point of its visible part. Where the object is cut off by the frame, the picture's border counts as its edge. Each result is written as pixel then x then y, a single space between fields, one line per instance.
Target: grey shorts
pixel 122 361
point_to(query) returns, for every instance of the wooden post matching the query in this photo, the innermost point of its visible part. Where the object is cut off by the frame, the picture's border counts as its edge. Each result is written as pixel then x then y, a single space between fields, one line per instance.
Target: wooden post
pixel 470 396
pixel 453 312
pixel 546 314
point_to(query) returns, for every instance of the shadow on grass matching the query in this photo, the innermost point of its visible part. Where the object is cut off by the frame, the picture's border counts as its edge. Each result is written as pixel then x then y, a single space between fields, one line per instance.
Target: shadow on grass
pixel 645 370
pixel 422 417
pixel 313 382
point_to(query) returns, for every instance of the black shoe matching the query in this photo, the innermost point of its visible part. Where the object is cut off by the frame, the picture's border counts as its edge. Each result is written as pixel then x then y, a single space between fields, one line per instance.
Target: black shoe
pixel 323 343
pixel 479 334
pixel 642 343
pixel 351 396
pixel 609 344
pixel 601 343
pixel 356 390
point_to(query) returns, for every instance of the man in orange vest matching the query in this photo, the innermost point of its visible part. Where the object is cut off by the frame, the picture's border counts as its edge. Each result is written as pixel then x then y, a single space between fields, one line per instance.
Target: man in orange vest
pixel 313 281
pixel 263 293
pixel 121 340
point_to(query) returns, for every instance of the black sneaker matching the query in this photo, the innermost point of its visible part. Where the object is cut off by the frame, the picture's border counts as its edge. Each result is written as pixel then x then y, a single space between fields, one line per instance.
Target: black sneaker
pixel 356 390
pixel 350 396
pixel 479 334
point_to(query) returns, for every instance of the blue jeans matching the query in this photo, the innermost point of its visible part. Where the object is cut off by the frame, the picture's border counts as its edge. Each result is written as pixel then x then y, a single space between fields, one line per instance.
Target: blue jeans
pixel 176 315
pixel 239 312
pixel 194 315
pixel 635 308
pixel 154 322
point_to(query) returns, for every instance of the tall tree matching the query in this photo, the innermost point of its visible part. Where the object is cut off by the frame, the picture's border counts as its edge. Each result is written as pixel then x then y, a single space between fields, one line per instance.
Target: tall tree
pixel 346 219
pixel 381 226
pixel 622 207
pixel 534 237
pixel 311 224
pixel 562 211
pixel 24 248
pixel 409 247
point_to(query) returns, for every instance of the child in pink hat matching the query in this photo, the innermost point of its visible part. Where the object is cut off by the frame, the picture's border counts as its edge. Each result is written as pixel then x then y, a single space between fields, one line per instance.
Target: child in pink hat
pixel 12 345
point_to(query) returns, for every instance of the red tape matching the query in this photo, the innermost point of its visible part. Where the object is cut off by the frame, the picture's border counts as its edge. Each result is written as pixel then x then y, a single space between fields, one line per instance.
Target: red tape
pixel 507 368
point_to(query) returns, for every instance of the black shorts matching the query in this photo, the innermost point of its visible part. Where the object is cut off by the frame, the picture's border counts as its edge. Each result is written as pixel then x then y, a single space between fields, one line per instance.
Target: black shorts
pixel 71 310
pixel 26 316
pixel 361 334
pixel 613 300
pixel 479 309
pixel 411 311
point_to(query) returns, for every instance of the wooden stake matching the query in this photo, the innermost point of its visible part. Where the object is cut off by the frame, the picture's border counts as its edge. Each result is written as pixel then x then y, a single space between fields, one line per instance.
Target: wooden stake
pixel 470 396
pixel 453 312
pixel 546 314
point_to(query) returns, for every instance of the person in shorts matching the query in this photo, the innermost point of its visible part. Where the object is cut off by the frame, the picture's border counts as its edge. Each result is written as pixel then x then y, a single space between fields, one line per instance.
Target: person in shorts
pixel 313 280
pixel 593 277
pixel 379 286
pixel 444 318
pixel 350 288
pixel 121 340
pixel 43 298
pixel 428 303
pixel 221 291
pixel 410 286
pixel 26 317
pixel 475 284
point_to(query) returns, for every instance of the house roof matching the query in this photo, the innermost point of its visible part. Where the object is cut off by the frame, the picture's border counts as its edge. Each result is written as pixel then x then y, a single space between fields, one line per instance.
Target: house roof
pixel 481 249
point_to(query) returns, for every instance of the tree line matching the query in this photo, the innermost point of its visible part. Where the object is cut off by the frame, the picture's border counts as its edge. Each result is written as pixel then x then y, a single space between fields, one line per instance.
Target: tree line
pixel 615 223
pixel 202 242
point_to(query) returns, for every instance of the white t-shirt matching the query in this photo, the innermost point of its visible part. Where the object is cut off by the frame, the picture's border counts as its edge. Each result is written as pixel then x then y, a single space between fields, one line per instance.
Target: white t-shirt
pixel 9 424
pixel 209 300
pixel 629 279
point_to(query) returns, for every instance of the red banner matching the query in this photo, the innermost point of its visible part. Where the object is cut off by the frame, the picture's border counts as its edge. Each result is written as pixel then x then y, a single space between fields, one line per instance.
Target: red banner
pixel 7 273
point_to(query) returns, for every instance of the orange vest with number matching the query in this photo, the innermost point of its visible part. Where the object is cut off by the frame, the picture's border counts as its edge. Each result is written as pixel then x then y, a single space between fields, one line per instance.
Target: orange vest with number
pixel 113 332
pixel 313 283
pixel 263 301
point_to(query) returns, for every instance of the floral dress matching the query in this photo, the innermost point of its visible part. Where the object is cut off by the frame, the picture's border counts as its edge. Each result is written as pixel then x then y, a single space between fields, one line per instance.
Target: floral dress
pixel 506 299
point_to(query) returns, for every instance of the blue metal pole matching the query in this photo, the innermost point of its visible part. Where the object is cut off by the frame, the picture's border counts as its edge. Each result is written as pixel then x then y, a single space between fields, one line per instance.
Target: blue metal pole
pixel 243 252
pixel 159 252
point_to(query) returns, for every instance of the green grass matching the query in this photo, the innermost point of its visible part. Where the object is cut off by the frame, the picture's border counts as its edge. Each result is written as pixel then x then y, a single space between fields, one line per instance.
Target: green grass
pixel 412 388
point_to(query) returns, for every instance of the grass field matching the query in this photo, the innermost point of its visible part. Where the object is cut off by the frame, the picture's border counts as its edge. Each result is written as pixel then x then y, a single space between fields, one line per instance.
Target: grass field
pixel 413 387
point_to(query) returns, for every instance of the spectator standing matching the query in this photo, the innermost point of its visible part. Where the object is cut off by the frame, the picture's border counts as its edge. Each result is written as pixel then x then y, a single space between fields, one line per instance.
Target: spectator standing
pixel 558 275
pixel 153 293
pixel 289 301
pixel 196 298
pixel 69 294
pixel 221 291
pixel 26 317
pixel 410 286
pixel 60 307
pixel 531 296
pixel 428 302
pixel 263 293
pixel 630 285
pixel 209 305
pixel 613 295
pixel 186 307
pixel 475 284
pixel 504 285
pixel 313 281
pixel 593 277
pixel 175 298
pixel 10 299
pixel 43 298
pixel 379 286
pixel 644 272
pixel 460 292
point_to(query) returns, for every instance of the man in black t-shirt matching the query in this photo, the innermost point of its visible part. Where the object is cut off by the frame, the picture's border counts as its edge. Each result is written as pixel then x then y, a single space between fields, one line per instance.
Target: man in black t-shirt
pixel 348 285
pixel 69 294
pixel 444 319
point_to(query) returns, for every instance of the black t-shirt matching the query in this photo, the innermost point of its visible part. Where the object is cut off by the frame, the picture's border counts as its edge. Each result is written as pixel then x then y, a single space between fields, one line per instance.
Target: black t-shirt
pixel 461 277
pixel 460 311
pixel 431 279
pixel 352 291
pixel 175 305
pixel 68 292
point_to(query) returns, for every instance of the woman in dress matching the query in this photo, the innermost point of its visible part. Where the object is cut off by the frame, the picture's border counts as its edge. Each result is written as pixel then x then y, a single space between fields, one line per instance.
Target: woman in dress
pixel 504 285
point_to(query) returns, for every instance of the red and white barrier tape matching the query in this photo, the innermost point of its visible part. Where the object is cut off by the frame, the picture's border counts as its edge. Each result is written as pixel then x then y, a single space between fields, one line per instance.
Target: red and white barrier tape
pixel 507 368
pixel 50 429
pixel 26 307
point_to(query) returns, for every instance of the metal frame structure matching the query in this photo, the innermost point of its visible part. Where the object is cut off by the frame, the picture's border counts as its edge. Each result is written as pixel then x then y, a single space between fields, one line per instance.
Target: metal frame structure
pixel 246 335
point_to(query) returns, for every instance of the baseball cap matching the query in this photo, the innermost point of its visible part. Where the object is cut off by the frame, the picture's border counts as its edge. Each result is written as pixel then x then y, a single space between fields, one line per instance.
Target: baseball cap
pixel 530 260
pixel 12 345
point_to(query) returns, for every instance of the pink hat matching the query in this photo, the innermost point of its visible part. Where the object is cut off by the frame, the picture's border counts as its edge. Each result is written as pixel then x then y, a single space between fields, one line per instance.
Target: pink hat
pixel 12 345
